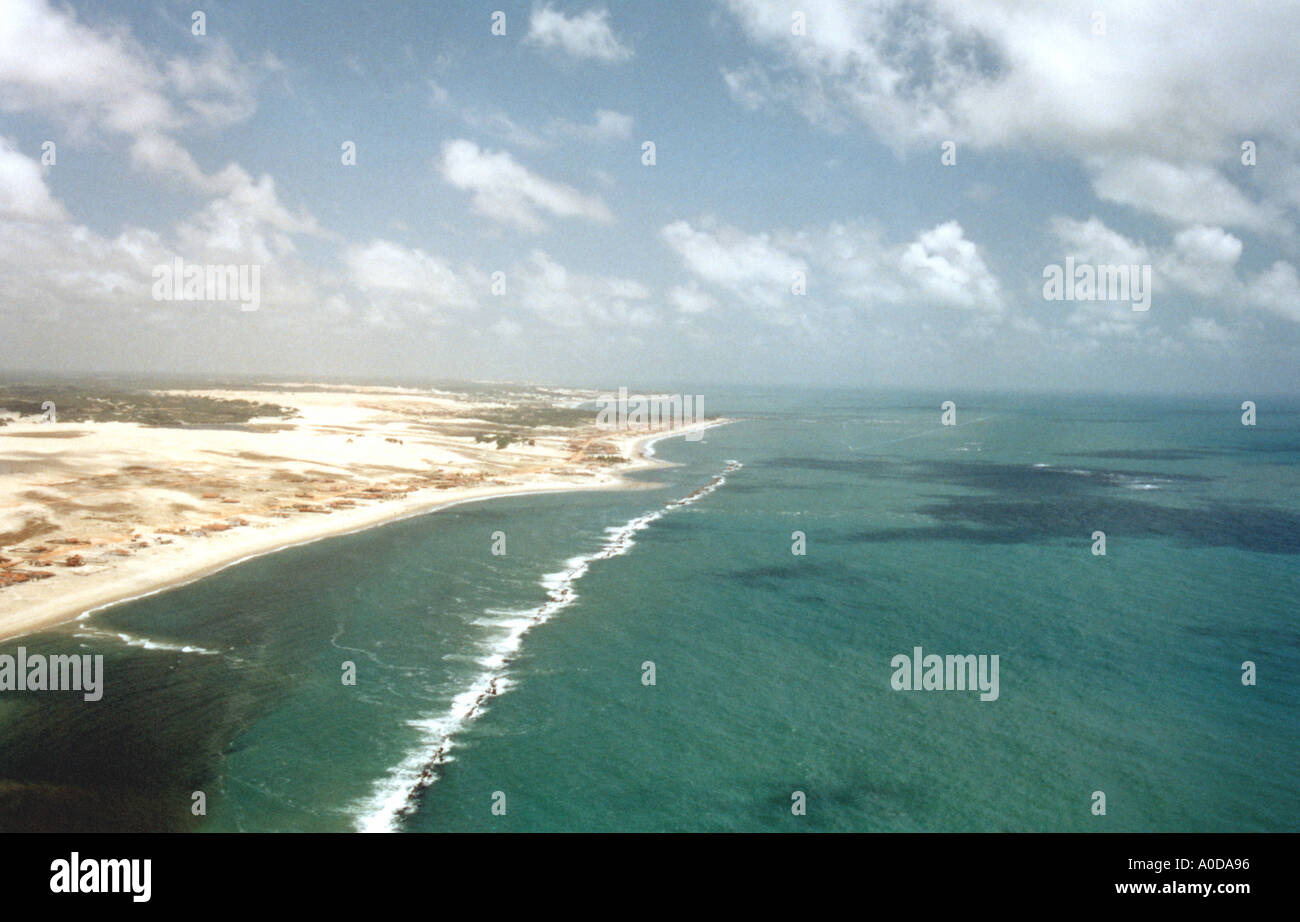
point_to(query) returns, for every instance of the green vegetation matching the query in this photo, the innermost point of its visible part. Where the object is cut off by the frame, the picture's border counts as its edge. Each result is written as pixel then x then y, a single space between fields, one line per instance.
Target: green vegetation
pixel 501 440
pixel 519 424
pixel 533 416
pixel 80 403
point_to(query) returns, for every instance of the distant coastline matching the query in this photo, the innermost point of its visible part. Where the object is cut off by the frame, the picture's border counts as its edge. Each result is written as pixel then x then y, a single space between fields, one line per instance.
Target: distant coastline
pixel 78 594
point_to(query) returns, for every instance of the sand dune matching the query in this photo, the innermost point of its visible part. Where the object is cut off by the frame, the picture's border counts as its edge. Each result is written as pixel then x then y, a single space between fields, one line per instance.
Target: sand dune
pixel 95 512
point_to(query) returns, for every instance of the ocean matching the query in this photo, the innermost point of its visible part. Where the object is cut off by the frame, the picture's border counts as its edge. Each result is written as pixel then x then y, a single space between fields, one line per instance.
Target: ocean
pixel 660 659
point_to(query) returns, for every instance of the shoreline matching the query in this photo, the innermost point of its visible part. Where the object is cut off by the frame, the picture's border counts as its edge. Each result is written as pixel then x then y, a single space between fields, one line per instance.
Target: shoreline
pixel 181 564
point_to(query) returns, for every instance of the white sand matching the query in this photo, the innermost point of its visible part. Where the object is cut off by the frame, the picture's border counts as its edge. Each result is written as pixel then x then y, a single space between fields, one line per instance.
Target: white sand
pixel 156 507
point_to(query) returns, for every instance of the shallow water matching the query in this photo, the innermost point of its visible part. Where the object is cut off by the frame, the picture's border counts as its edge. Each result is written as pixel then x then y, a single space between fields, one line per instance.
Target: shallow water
pixel 1119 673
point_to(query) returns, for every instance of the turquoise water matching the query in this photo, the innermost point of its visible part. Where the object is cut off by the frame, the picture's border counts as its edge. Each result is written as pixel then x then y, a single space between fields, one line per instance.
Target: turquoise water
pixel 1119 673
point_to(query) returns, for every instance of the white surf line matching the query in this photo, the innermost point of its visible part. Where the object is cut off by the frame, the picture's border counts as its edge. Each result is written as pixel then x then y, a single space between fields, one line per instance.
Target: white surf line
pixel 539 490
pixel 648 447
pixel 132 640
pixel 398 794
pixel 542 490
pixel 413 514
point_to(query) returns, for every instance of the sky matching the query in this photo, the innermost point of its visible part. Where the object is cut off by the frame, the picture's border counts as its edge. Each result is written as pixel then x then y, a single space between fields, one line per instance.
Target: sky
pixel 841 192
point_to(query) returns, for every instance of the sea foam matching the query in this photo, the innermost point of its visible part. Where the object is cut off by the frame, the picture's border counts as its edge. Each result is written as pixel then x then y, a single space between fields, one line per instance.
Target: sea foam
pixel 397 795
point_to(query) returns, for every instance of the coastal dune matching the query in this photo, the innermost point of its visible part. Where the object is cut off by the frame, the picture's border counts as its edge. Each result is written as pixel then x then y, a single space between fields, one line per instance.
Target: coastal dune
pixel 93 513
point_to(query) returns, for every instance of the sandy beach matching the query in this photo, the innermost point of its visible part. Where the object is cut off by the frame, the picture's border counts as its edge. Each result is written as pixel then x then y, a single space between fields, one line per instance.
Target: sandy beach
pixel 96 513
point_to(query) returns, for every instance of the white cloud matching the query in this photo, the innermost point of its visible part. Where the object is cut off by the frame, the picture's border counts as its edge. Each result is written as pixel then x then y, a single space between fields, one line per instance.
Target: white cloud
pixel 98 81
pixel 1200 260
pixel 1203 261
pixel 564 298
pixel 508 192
pixel 748 265
pixel 586 36
pixel 163 156
pixel 105 80
pixel 989 72
pixel 51 63
pixel 52 265
pixel 841 263
pixel 398 278
pixel 499 125
pixel 1208 330
pixel 1093 242
pixel 1186 194
pixel 216 87
pixel 1277 290
pixel 749 86
pixel 23 193
pixel 950 270
pixel 607 126
pixel 691 299
pixel 1158 112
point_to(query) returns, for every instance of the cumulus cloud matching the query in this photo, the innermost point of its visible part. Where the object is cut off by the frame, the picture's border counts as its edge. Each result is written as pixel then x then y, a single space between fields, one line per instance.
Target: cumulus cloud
pixel 587 36
pixel 52 63
pixel 748 265
pixel 991 73
pixel 216 87
pixel 510 193
pixel 1184 194
pixel 840 263
pixel 392 271
pixel 1199 260
pixel 950 270
pixel 103 81
pixel 1093 242
pixel 23 192
pixel 1276 290
pixel 1156 113
pixel 563 298
pixel 1202 260
pixel 52 264
pixel 59 268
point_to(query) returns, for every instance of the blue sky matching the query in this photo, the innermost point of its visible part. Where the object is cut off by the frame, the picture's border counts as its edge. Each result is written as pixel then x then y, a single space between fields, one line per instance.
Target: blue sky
pixel 791 137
